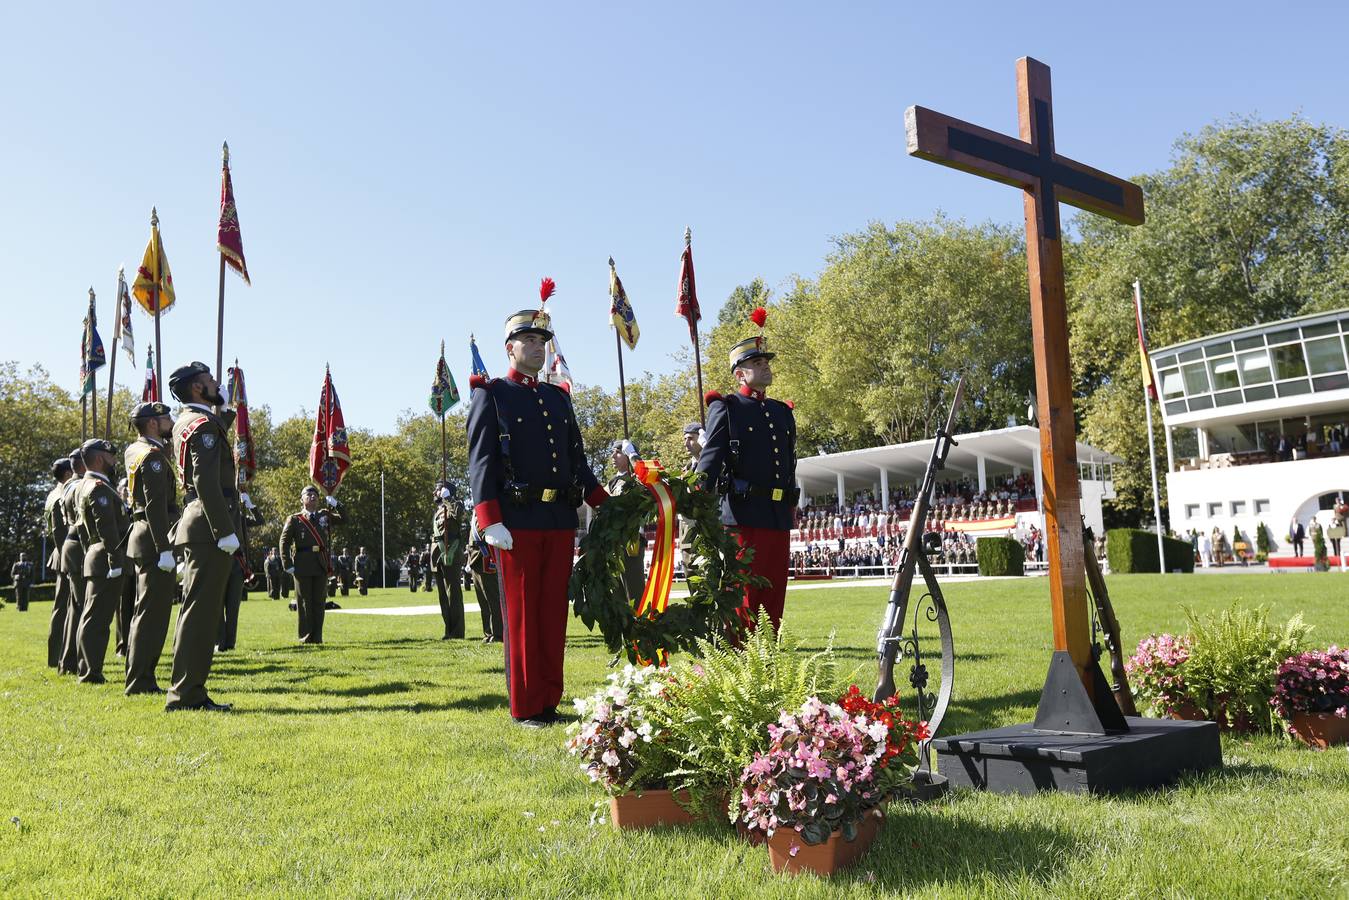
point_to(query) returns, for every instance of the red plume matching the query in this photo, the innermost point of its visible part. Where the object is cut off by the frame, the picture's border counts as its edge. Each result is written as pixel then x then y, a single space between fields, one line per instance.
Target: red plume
pixel 759 316
pixel 546 288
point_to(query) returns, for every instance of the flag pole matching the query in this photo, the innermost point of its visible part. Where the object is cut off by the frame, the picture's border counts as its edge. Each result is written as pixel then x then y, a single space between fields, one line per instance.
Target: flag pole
pixel 1152 447
pixel 441 413
pixel 697 351
pixel 84 417
pixel 383 563
pixel 112 365
pixel 154 293
pixel 93 373
pixel 220 312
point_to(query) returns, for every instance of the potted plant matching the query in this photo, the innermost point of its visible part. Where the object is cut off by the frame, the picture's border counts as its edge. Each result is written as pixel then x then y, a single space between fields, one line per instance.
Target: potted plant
pixel 1234 660
pixel 1262 546
pixel 716 709
pixel 1312 695
pixel 1318 536
pixel 816 792
pixel 1158 679
pixel 624 752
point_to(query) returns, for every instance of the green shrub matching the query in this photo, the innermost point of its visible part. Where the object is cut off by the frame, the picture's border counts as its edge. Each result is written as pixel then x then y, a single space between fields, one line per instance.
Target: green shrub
pixel 1135 550
pixel 1234 662
pixel 1319 548
pixel 717 709
pixel 1000 556
pixel 1261 542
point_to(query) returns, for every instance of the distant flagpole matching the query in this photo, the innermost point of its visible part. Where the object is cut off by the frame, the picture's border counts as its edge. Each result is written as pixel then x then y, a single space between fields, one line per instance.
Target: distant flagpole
pixel 229 243
pixel 615 295
pixel 112 366
pixel 92 383
pixel 688 308
pixel 1149 390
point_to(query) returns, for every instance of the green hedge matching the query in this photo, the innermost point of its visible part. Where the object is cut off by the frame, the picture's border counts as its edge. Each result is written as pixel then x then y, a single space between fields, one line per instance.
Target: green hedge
pixel 38 593
pixel 1000 556
pixel 1135 550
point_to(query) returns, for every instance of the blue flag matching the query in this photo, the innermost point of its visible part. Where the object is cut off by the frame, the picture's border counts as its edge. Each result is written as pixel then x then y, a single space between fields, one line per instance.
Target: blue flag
pixel 479 370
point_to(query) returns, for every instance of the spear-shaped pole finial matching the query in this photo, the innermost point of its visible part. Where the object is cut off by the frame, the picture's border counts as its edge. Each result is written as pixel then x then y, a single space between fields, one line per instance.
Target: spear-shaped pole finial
pixel 225 153
pixel 154 216
pixel 611 262
pixel 688 235
pixel 91 294
pixel 121 273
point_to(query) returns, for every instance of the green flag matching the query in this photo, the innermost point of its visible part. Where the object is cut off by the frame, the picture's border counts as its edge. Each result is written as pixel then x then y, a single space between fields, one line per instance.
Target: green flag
pixel 444 393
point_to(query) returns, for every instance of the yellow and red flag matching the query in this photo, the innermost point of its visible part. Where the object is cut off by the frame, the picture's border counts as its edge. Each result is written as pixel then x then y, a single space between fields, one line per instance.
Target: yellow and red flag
pixel 1148 383
pixel 154 281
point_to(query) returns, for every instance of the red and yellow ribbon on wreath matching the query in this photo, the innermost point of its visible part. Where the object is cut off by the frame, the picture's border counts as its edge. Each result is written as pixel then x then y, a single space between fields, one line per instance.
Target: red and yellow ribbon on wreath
pixel 656 595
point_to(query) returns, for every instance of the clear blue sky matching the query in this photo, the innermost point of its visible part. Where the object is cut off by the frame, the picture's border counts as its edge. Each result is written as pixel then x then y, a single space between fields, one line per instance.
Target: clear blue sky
pixel 407 172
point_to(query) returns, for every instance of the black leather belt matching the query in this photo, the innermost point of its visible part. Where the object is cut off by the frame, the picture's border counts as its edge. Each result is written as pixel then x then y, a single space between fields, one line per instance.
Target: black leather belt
pixel 777 494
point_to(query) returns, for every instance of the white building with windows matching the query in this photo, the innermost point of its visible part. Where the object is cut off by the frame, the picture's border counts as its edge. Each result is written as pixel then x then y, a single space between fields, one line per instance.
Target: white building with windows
pixel 1255 423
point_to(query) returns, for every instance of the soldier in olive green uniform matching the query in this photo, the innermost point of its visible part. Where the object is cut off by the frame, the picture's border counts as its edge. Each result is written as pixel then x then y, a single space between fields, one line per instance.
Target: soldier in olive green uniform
pixel 449 533
pixel 126 604
pixel 154 510
pixel 634 559
pixel 482 563
pixel 104 524
pixel 305 541
pixel 56 538
pixel 21 573
pixel 72 570
pixel 207 534
pixel 362 564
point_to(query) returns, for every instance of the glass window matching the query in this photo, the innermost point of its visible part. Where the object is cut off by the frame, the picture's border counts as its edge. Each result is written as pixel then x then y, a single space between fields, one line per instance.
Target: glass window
pixel 1215 510
pixel 1198 403
pixel 1255 367
pixel 1325 355
pixel 1259 392
pixel 1331 382
pixel 1238 506
pixel 1172 386
pixel 1213 350
pixel 1229 398
pixel 1191 355
pixel 1162 362
pixel 1310 331
pixel 1223 371
pixel 1250 343
pixel 1196 379
pixel 1283 337
pixel 1261 506
pixel 1191 509
pixel 1289 361
pixel 1175 406
pixel 1293 388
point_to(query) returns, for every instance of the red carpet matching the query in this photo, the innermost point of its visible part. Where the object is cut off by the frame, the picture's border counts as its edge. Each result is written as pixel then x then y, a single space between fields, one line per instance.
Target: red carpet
pixel 1299 562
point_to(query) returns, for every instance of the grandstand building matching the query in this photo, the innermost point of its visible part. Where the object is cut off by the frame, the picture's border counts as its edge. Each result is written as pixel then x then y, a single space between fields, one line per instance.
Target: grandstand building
pixel 1255 423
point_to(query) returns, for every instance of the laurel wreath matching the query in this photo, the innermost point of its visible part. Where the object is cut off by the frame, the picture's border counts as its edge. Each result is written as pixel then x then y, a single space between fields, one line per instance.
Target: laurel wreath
pixel 718 573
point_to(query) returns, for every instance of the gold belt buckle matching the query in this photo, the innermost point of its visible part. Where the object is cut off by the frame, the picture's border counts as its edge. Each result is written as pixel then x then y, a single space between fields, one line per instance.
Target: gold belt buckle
pixel 778 493
pixel 549 495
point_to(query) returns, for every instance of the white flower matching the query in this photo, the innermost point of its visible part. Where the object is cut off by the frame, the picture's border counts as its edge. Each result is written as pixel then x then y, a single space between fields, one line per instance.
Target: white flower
pixel 645 730
pixel 609 758
pixel 627 738
pixel 580 705
pixel 877 731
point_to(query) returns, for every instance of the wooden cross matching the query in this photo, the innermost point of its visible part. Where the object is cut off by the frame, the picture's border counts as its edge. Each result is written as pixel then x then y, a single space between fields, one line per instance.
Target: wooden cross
pixel 1047 179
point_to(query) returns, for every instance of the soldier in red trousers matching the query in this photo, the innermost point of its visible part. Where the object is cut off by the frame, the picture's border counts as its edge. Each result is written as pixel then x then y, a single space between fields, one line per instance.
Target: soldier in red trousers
pixel 528 474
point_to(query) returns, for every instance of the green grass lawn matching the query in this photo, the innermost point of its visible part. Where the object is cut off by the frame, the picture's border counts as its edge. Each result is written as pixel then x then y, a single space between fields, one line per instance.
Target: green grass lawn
pixel 384 764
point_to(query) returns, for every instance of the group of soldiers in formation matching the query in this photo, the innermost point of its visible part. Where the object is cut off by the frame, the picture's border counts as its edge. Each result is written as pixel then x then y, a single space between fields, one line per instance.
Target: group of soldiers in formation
pixel 181 513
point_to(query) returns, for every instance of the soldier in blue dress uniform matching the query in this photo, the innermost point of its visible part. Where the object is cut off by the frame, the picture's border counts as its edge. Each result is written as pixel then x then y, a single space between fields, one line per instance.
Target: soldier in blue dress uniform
pixel 528 474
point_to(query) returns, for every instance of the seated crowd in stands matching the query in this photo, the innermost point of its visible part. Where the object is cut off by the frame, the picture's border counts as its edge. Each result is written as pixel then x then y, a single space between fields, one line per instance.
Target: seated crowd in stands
pixel 1328 440
pixel 957 548
pixel 952 501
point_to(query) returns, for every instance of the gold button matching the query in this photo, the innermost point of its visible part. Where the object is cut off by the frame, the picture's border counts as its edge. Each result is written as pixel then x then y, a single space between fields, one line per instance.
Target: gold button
pixel 550 427
pixel 554 468
pixel 518 419
pixel 545 413
pixel 554 456
pixel 775 437
pixel 540 401
pixel 770 424
pixel 775 449
pixel 751 428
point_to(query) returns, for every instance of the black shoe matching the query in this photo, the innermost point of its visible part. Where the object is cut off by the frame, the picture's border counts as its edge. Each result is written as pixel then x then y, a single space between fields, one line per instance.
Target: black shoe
pixel 331 605
pixel 551 716
pixel 93 679
pixel 211 706
pixel 293 607
pixel 532 722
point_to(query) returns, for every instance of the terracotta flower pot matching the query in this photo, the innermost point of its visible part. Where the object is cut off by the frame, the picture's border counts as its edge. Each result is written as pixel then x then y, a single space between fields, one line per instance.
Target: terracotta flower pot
pixel 1320 730
pixel 789 853
pixel 1189 711
pixel 649 808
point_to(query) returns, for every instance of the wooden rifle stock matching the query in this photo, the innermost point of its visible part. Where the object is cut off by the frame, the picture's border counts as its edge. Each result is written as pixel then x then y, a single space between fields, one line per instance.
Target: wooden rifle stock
pixel 887 641
pixel 1105 614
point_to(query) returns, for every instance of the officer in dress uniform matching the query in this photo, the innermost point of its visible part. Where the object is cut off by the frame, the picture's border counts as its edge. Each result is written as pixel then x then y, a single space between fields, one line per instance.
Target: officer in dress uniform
pixel 634 557
pixel 306 541
pixel 154 510
pixel 750 455
pixel 72 569
pixel 362 565
pixel 528 472
pixel 207 534
pixel 56 528
pixel 449 531
pixel 104 523
pixel 21 573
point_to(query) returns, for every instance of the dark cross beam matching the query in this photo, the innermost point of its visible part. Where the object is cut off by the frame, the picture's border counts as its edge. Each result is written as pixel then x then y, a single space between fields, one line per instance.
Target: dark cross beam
pixel 1047 180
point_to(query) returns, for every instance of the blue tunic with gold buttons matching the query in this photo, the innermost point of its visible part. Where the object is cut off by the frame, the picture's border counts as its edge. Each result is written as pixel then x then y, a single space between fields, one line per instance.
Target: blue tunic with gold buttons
pixel 763 472
pixel 546 454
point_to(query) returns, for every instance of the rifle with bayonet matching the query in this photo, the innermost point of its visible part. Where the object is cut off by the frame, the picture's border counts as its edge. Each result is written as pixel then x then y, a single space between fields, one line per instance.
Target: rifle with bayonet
pixel 889 639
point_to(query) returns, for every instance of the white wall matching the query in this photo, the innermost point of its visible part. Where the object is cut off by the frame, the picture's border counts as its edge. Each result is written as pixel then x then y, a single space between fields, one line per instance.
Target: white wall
pixel 1290 487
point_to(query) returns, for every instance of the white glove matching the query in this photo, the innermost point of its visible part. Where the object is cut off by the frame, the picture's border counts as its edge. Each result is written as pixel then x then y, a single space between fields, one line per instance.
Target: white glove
pixel 229 543
pixel 498 536
pixel 290 571
pixel 444 493
pixel 247 500
pixel 166 561
pixel 332 501
pixel 114 573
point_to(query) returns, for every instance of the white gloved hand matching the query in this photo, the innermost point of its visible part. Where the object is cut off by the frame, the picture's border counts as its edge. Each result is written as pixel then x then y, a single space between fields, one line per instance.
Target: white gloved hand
pixel 229 543
pixel 166 561
pixel 498 536
pixel 444 493
pixel 114 573
pixel 702 437
pixel 246 500
pixel 290 571
pixel 332 501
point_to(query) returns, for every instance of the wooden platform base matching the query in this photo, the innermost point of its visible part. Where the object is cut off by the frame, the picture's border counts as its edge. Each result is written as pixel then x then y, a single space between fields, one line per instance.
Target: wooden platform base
pixel 1019 759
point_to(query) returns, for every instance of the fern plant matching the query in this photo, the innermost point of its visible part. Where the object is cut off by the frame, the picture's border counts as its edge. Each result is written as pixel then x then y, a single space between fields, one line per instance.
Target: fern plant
pixel 1234 662
pixel 717 707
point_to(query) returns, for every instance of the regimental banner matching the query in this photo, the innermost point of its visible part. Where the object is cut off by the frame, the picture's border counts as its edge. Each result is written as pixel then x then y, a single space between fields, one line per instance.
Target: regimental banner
pixel 620 310
pixel 244 457
pixel 154 281
pixel 228 240
pixel 92 355
pixel 444 392
pixel 150 390
pixel 329 456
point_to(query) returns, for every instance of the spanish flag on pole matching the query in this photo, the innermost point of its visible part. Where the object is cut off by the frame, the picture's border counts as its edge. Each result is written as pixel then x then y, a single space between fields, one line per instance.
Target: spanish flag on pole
pixel 1148 383
pixel 154 281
